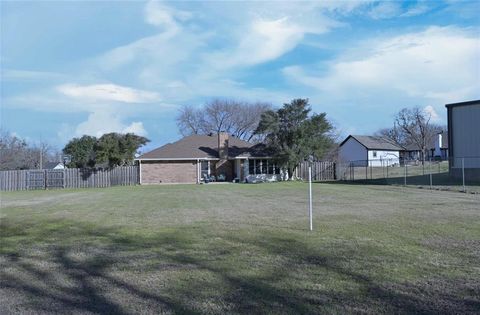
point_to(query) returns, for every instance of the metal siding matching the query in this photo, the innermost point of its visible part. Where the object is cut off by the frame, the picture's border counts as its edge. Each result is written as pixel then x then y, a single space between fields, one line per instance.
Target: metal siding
pixel 465 126
pixel 352 150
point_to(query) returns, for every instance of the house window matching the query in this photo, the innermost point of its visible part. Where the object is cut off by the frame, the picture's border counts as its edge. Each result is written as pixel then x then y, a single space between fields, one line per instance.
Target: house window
pixel 205 168
pixel 251 167
pixel 374 154
pixel 261 166
pixel 258 166
pixel 271 168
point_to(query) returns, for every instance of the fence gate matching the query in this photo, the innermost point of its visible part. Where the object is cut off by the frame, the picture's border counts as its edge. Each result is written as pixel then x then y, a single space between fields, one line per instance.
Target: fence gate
pixel 36 179
pixel 55 179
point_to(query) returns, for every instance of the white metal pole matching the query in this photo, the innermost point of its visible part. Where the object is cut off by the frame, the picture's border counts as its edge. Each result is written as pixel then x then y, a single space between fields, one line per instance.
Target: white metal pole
pixel 310 195
pixel 198 171
pixel 463 174
pixel 139 172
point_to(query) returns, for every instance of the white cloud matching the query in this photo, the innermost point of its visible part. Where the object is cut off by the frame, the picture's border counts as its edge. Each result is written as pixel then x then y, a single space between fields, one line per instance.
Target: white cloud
pixel 343 7
pixel 250 34
pixel 415 10
pixel 158 14
pixel 440 64
pixel 104 121
pixel 108 92
pixel 265 40
pixel 385 10
pixel 432 113
pixel 135 127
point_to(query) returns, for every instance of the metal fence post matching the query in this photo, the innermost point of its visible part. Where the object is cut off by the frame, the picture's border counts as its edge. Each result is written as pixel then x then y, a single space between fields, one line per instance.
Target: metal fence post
pixel 405 174
pixel 387 169
pixel 366 170
pixel 463 174
pixel 430 171
pixel 310 196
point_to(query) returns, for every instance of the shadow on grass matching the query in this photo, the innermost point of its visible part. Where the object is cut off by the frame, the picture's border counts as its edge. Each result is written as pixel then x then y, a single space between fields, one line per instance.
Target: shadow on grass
pixel 79 268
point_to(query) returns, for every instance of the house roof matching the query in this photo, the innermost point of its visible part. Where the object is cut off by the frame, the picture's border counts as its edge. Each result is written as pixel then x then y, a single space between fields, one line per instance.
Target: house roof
pixel 201 147
pixel 374 143
pixel 463 103
pixel 431 144
pixel 51 165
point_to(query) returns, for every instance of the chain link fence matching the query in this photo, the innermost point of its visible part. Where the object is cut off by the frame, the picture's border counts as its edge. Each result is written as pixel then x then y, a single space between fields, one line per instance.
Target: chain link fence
pixel 459 174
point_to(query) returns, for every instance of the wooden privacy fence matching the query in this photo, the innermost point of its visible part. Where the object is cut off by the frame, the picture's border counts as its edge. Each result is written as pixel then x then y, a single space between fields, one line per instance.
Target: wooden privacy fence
pixel 68 178
pixel 321 171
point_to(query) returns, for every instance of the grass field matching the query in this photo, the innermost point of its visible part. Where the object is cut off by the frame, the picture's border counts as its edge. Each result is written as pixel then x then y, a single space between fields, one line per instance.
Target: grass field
pixel 234 248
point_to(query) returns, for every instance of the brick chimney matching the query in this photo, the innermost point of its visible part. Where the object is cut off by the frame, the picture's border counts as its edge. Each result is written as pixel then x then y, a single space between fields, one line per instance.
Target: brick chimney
pixel 223 145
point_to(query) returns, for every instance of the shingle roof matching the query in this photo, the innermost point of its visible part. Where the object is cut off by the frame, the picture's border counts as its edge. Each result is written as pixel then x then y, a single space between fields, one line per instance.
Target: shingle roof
pixel 374 143
pixel 201 146
pixel 50 165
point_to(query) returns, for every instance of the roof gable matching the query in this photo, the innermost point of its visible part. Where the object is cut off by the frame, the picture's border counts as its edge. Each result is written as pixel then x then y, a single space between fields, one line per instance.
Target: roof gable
pixel 374 143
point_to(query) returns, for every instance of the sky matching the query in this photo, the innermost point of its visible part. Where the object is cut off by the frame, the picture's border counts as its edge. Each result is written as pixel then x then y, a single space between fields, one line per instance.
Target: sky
pixel 70 68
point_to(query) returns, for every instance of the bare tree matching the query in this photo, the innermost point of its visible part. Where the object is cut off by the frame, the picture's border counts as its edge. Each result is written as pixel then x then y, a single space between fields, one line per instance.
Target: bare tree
pixel 16 153
pixel 12 152
pixel 240 119
pixel 414 126
pixel 41 153
pixel 190 120
pixel 393 135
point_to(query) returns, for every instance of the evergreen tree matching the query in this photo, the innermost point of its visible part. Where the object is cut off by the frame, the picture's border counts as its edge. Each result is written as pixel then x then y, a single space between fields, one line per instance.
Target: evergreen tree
pixel 112 149
pixel 82 151
pixel 293 135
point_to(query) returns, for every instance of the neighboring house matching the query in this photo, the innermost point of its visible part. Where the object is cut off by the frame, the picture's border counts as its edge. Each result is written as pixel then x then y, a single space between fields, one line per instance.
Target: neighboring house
pixel 368 150
pixel 437 149
pixel 198 157
pixel 53 166
pixel 464 139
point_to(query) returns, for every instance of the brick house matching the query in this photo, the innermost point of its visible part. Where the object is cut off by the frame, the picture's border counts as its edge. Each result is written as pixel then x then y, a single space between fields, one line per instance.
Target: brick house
pixel 194 158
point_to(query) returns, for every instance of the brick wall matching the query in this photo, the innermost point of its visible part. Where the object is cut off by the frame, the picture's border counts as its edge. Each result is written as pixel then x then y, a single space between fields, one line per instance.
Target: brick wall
pixel 156 172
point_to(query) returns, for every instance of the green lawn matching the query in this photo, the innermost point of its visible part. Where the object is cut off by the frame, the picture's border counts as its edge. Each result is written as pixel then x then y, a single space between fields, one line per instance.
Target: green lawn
pixel 236 248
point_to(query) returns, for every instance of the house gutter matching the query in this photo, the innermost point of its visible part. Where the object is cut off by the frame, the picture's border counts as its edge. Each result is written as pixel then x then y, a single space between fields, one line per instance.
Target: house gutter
pixel 202 159
pixel 177 159
pixel 253 157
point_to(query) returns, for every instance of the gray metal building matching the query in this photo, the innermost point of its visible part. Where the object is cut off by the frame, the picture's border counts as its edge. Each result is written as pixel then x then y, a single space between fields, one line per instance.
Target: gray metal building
pixel 464 139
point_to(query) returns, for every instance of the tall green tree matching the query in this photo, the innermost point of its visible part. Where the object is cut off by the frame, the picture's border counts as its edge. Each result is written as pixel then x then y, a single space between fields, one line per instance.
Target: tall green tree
pixel 82 151
pixel 293 134
pixel 117 149
pixel 112 149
